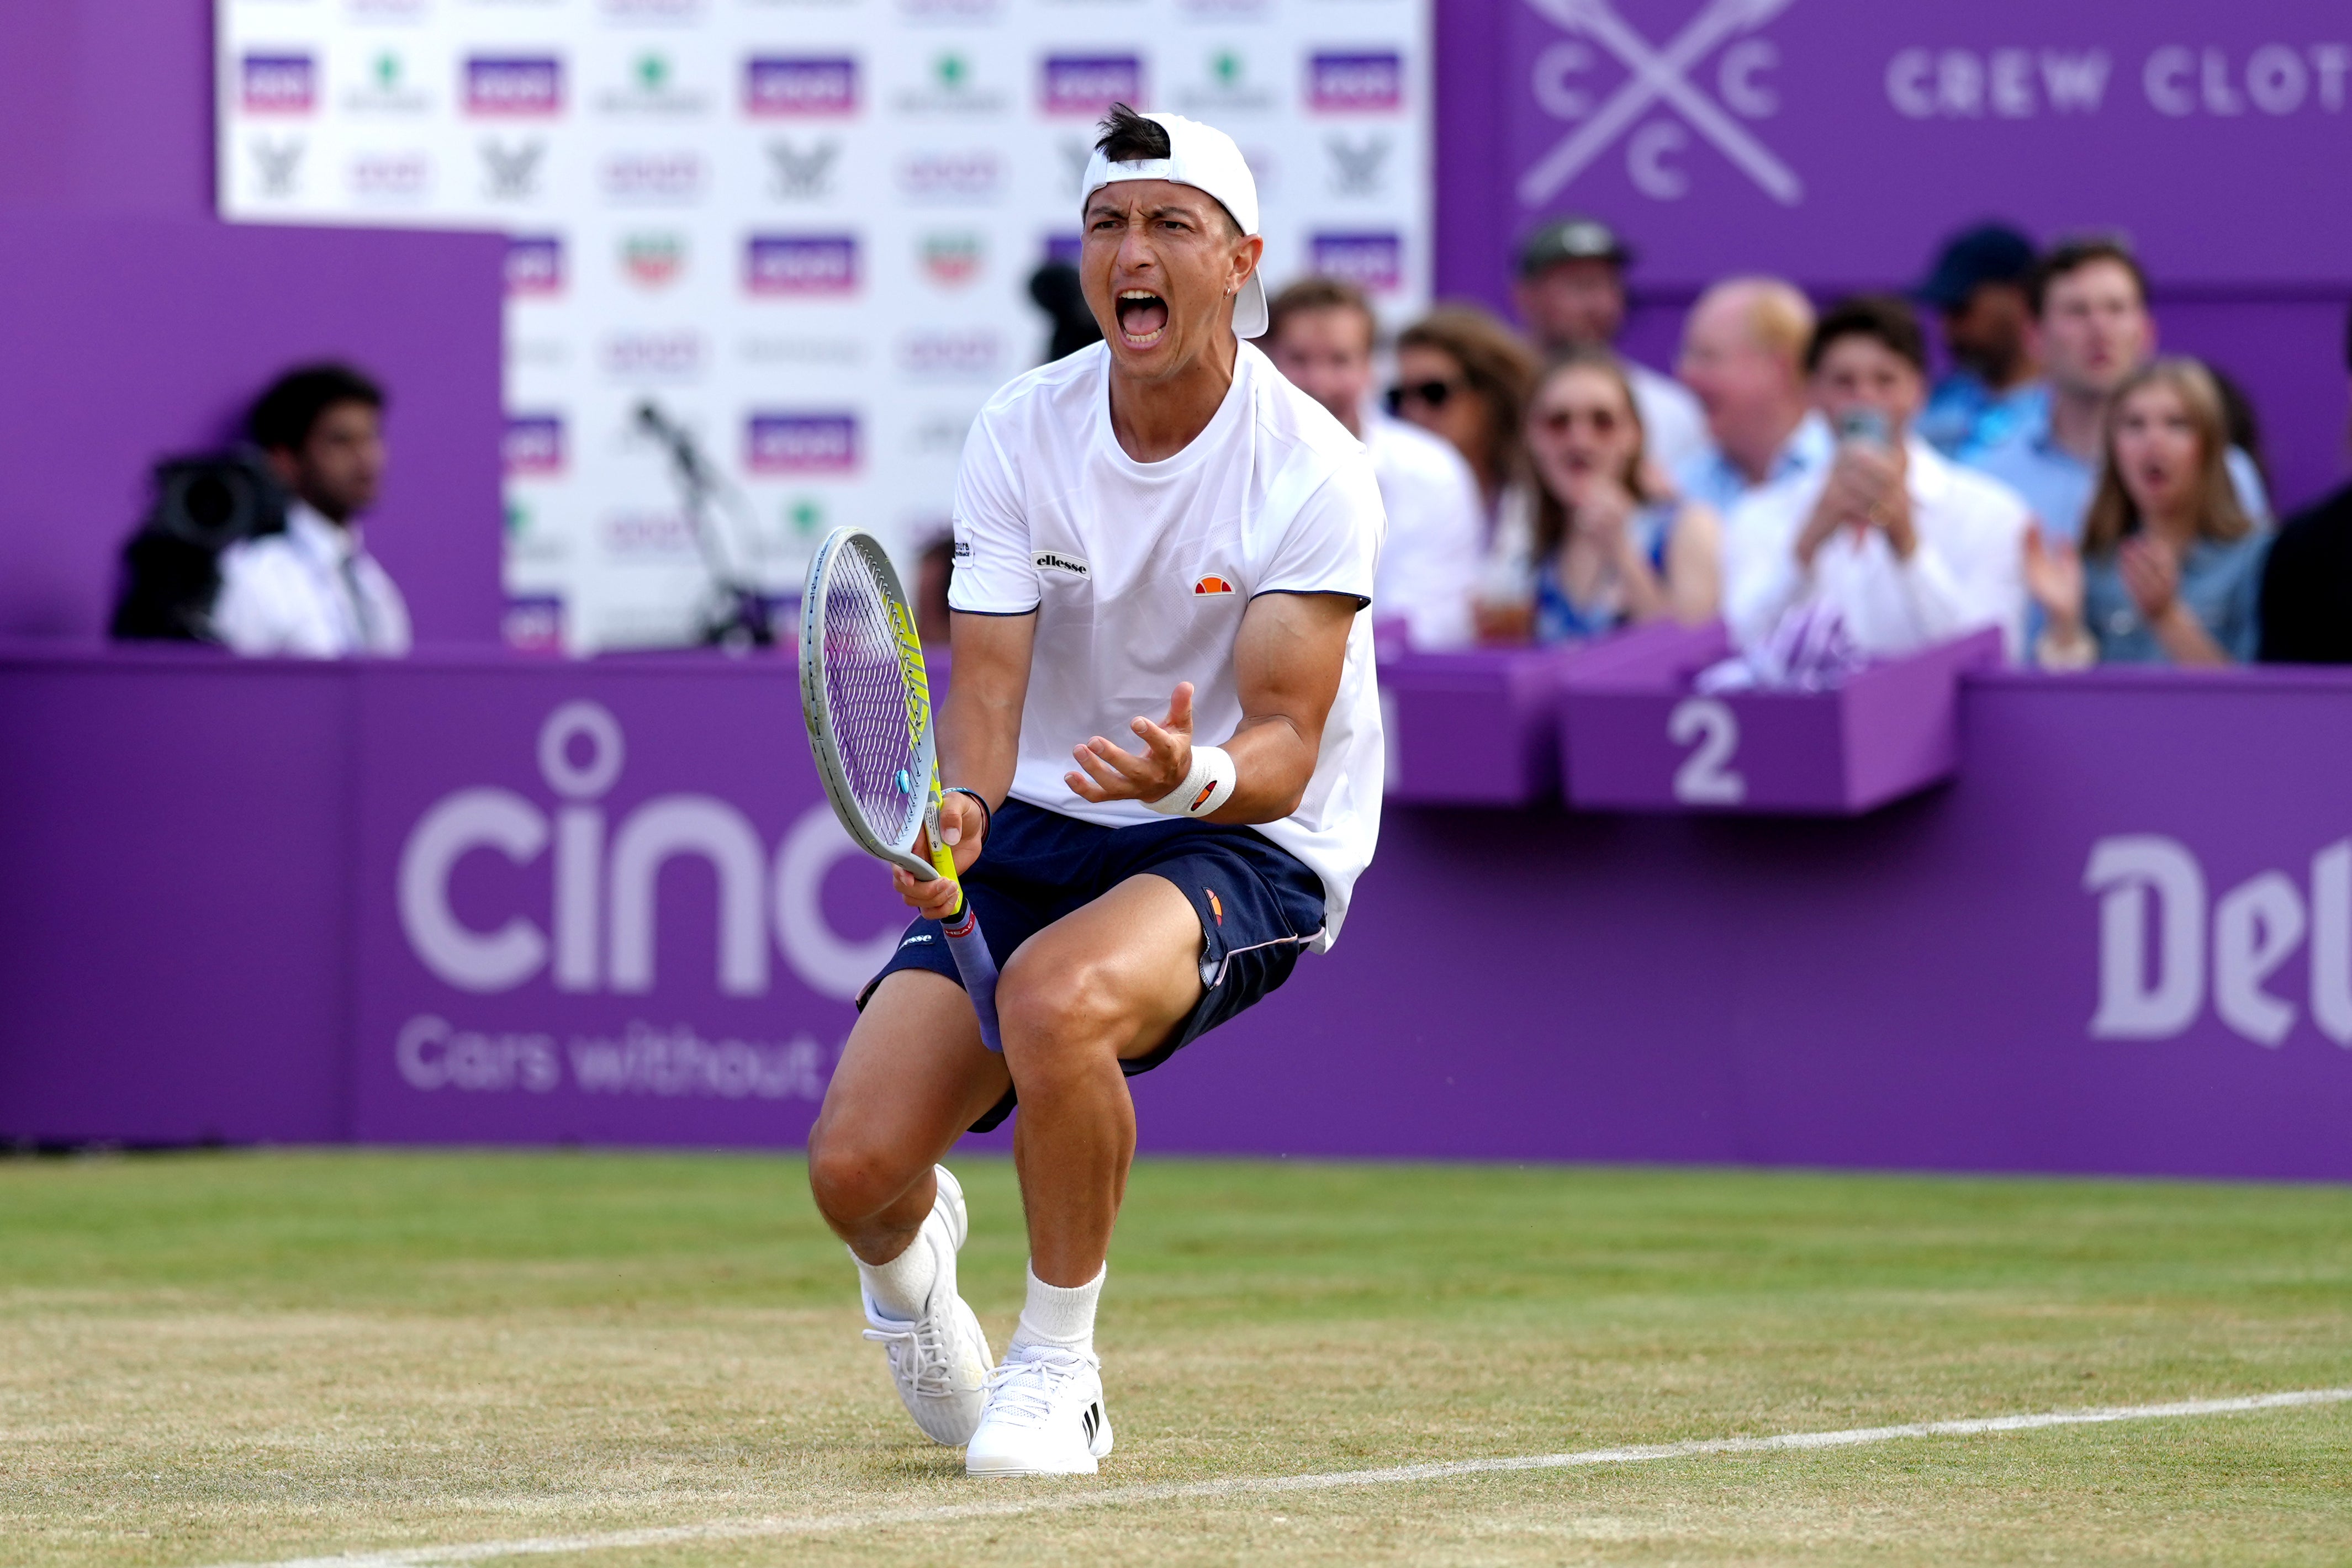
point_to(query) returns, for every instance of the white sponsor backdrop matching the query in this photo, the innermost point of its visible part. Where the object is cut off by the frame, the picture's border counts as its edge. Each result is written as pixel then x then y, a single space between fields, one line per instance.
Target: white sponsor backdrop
pixel 804 227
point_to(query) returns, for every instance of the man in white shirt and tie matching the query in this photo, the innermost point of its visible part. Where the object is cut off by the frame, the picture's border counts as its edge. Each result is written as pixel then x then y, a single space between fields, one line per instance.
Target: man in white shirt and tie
pixel 1905 547
pixel 314 592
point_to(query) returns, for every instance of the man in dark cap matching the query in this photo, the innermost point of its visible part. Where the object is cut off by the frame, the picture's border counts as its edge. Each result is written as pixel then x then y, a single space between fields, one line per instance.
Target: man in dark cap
pixel 1571 294
pixel 1979 287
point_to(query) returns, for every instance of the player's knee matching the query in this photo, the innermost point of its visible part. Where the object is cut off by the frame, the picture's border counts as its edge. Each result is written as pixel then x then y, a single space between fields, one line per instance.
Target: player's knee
pixel 1057 1011
pixel 850 1179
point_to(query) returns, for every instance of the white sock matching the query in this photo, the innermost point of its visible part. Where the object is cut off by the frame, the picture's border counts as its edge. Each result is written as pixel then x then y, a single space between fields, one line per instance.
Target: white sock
pixel 1059 1315
pixel 900 1287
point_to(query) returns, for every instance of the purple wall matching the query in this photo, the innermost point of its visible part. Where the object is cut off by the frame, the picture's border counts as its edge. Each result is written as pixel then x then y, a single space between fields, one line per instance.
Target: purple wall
pixel 106 106
pixel 229 915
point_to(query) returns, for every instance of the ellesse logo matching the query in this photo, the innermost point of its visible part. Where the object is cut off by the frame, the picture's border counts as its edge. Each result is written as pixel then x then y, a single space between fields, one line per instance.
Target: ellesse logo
pixel 1212 583
pixel 1054 560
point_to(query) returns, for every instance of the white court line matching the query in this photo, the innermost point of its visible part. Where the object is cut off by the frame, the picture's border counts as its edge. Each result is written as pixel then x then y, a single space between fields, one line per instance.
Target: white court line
pixel 1258 1485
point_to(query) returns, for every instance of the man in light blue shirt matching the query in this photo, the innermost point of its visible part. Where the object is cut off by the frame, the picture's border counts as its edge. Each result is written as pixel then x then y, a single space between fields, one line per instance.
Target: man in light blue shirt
pixel 1743 354
pixel 2090 298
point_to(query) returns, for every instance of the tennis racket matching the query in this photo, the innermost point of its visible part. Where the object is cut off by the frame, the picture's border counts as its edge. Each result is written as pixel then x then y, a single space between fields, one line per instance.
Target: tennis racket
pixel 867 701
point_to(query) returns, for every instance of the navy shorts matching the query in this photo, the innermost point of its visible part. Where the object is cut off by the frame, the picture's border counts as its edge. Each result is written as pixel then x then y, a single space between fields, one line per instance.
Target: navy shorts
pixel 1259 905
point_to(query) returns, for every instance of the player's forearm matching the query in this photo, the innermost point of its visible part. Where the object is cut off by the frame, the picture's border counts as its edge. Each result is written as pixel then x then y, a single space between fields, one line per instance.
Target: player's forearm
pixel 980 740
pixel 1272 760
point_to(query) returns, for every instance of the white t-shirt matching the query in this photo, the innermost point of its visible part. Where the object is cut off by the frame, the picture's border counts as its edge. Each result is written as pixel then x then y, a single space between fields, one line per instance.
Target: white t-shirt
pixel 1430 568
pixel 312 593
pixel 1967 573
pixel 1139 574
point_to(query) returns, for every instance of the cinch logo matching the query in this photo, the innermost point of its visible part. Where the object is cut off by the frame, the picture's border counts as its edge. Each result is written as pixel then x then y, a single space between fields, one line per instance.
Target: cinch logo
pixel 533 446
pixel 1374 261
pixel 801 264
pixel 601 936
pixel 278 84
pixel 960 176
pixel 1370 82
pixel 534 267
pixel 534 624
pixel 801 442
pixel 2150 885
pixel 1089 84
pixel 935 354
pixel 652 178
pixel 1212 583
pixel 1054 560
pixel 800 84
pixel 514 85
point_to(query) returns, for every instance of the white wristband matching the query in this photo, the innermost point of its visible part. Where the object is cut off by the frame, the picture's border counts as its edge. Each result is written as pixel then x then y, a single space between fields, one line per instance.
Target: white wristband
pixel 1209 786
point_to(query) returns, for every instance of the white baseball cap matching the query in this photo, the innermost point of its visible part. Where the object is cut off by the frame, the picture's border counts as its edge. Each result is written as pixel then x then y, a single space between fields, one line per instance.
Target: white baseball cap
pixel 1204 158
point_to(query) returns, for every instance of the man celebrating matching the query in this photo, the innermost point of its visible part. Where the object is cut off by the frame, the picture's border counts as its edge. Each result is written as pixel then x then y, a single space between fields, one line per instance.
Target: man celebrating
pixel 1161 514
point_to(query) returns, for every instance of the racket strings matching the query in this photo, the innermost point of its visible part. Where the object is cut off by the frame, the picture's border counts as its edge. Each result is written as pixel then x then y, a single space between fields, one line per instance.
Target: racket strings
pixel 866 698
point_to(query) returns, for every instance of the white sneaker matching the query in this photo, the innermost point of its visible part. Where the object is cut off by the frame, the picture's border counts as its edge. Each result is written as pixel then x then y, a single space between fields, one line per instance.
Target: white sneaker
pixel 940 1361
pixel 1045 1415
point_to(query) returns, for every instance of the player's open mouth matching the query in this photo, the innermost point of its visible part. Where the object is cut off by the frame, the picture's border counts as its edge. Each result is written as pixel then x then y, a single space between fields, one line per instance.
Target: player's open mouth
pixel 1142 317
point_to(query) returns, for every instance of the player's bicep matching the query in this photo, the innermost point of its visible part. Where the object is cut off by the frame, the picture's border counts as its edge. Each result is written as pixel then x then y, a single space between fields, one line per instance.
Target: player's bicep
pixel 1288 658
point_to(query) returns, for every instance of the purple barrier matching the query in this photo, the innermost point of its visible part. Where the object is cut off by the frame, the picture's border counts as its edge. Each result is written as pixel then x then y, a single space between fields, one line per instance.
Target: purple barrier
pixel 1473 729
pixel 1637 739
pixel 507 903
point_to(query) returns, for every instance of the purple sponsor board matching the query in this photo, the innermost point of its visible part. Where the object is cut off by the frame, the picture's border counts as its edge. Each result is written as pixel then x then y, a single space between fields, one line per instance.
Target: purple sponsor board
pixel 534 267
pixel 1360 82
pixel 534 445
pixel 801 442
pixel 1374 261
pixel 1064 249
pixel 533 623
pixel 513 86
pixel 800 86
pixel 278 84
pixel 790 264
pixel 1088 84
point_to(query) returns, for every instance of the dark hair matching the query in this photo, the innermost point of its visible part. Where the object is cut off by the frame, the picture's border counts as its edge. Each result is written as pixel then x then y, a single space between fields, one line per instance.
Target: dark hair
pixel 1128 137
pixel 1882 318
pixel 281 418
pixel 1319 294
pixel 2072 256
pixel 1554 522
pixel 1497 367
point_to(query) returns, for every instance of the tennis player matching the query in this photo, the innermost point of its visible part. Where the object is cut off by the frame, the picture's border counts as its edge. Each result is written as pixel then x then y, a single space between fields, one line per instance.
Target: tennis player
pixel 1158 543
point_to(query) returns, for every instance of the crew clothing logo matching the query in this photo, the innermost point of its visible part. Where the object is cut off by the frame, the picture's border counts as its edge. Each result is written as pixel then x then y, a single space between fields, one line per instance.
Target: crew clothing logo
pixel 1211 584
pixel 801 265
pixel 1089 84
pixel 1654 147
pixel 534 267
pixel 801 443
pixel 278 84
pixel 1068 565
pixel 1366 82
pixel 800 84
pixel 533 447
pixel 1370 261
pixel 514 86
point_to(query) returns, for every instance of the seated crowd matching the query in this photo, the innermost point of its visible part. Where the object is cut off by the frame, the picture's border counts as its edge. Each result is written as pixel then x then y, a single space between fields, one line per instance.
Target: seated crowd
pixel 2060 482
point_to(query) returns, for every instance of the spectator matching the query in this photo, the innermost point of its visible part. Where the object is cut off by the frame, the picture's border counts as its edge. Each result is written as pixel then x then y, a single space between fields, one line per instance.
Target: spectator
pixel 1743 354
pixel 1320 334
pixel 2089 301
pixel 1463 375
pixel 1979 287
pixel 2170 566
pixel 1572 295
pixel 2306 601
pixel 313 591
pixel 1904 545
pixel 1609 550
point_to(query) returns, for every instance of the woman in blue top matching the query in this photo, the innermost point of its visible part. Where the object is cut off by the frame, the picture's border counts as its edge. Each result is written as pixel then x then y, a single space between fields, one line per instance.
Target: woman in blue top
pixel 2171 569
pixel 1609 549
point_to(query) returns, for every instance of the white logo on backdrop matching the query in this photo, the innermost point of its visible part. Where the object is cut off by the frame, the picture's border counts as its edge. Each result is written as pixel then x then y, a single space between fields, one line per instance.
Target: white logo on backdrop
pixel 604 876
pixel 1653 149
pixel 2149 886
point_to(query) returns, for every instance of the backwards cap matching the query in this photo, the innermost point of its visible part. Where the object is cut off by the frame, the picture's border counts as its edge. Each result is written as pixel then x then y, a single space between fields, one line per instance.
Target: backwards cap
pixel 1207 159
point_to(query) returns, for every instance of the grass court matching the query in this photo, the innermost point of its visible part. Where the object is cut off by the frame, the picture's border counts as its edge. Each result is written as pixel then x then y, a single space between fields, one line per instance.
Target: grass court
pixel 255 1357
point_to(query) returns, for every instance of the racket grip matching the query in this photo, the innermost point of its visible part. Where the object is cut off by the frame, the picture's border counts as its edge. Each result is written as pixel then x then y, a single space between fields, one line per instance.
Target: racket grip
pixel 978 967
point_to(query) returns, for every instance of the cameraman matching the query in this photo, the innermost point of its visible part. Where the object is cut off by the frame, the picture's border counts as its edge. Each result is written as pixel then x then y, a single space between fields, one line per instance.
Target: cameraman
pixel 314 592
